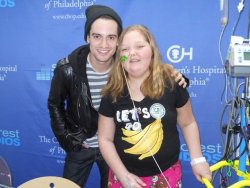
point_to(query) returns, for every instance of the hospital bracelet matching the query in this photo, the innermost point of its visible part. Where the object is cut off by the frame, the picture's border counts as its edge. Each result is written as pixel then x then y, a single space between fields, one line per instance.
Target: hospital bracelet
pixel 198 161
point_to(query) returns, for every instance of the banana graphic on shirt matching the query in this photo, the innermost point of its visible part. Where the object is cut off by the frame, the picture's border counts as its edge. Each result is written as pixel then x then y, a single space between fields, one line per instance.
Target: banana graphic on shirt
pixel 146 142
pixel 155 148
pixel 134 136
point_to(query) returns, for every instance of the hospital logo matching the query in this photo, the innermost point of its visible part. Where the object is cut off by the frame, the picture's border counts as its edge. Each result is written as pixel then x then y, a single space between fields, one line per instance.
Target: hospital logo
pixel 176 53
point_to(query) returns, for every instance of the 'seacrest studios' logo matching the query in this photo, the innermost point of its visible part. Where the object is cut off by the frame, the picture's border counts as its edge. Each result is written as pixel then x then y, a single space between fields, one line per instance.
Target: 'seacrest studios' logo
pixel 7 3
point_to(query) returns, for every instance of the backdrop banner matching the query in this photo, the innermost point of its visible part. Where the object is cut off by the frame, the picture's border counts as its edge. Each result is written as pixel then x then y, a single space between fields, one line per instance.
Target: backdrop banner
pixel 34 35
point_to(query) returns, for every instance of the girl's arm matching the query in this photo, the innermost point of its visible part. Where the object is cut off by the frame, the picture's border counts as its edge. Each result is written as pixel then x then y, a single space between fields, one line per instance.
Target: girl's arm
pixel 191 135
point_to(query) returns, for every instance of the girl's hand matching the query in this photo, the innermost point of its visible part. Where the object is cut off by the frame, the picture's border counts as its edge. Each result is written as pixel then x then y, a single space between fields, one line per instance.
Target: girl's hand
pixel 202 170
pixel 132 181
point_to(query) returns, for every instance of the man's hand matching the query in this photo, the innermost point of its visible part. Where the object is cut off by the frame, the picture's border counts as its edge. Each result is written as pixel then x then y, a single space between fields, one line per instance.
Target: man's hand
pixel 178 77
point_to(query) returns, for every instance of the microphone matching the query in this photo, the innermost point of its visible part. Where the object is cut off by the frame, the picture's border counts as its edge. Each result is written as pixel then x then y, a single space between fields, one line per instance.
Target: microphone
pixel 224 12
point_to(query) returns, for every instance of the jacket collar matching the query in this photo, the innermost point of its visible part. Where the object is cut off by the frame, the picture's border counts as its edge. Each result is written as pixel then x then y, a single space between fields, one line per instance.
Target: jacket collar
pixel 78 60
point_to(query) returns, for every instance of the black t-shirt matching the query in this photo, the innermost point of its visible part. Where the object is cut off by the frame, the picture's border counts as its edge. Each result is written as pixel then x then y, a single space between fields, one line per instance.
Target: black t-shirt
pixel 152 130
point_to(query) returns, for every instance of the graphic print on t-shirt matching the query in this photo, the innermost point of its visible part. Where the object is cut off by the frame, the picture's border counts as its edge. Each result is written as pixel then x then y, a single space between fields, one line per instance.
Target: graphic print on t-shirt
pixel 147 141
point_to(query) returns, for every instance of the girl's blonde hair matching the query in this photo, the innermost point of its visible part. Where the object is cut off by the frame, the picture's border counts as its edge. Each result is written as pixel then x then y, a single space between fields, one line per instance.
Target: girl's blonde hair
pixel 159 77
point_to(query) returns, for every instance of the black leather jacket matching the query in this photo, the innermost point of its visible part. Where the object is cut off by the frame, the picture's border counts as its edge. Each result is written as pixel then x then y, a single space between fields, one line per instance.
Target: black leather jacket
pixel 73 118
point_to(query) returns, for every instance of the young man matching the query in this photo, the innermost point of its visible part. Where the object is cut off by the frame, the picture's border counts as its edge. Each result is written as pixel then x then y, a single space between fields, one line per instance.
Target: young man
pixel 74 96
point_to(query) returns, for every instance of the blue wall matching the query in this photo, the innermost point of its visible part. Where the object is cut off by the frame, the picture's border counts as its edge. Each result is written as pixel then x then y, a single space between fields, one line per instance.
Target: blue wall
pixel 35 34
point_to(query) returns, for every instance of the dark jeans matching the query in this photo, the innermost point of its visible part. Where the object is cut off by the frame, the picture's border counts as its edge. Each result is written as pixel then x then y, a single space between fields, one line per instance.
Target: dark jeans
pixel 79 164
